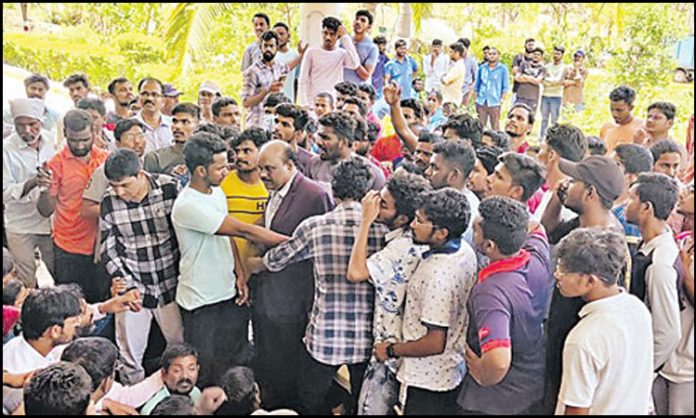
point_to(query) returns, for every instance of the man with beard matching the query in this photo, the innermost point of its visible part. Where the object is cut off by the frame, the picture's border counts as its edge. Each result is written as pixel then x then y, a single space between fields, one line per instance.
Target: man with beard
pixel 389 271
pixel 367 50
pixel 23 153
pixel 179 373
pixel 212 311
pixel 289 57
pixel 519 124
pixel 74 236
pixel 78 88
pixel 486 161
pixel 290 126
pixel 335 140
pixel 170 160
pixel 520 59
pixel 158 127
pixel 226 112
pixel 322 68
pixel 435 315
pixel 261 78
pixel 245 192
pixel 36 86
pixel 401 69
pixel 121 91
pixel 529 78
pixel 283 300
pixel 253 52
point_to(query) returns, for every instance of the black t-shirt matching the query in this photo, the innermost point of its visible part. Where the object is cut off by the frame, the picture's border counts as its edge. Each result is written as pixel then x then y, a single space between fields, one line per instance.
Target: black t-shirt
pixel 517 62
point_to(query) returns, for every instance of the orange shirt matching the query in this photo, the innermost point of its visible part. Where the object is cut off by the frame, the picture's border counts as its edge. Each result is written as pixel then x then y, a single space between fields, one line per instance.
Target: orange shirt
pixel 614 134
pixel 71 232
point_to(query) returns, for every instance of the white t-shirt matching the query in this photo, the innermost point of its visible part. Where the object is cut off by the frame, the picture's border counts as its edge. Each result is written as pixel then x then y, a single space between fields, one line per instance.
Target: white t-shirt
pixel 436 295
pixel 286 58
pixel 566 214
pixel 680 366
pixel 608 359
pixel 20 357
pixel 206 269
pixel 452 92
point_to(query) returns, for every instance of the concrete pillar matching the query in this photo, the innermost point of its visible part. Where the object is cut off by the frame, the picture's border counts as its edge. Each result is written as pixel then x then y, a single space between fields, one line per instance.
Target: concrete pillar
pixel 311 15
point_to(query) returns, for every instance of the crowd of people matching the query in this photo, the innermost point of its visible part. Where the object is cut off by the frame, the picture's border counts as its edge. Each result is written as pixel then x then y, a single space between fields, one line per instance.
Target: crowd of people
pixel 280 253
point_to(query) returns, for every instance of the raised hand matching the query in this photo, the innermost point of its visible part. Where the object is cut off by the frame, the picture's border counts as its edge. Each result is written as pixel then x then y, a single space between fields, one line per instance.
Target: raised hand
pixel 392 93
pixel 370 206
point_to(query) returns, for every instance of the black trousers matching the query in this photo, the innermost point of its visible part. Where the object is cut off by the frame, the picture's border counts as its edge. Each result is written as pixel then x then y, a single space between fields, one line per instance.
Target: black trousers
pixel 315 383
pixel 426 402
pixel 278 347
pixel 219 332
pixel 81 270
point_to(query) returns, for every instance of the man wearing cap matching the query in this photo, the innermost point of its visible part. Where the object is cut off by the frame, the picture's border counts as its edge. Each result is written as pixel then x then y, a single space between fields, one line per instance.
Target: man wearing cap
pixel 23 152
pixel 590 191
pixel 207 93
pixel 171 99
pixel 574 77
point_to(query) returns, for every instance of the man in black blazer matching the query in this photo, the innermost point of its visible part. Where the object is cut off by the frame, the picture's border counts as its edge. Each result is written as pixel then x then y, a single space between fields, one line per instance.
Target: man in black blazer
pixel 282 301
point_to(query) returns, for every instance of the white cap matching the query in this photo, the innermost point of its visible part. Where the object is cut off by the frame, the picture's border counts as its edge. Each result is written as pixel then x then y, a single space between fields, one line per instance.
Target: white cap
pixel 32 108
pixel 210 87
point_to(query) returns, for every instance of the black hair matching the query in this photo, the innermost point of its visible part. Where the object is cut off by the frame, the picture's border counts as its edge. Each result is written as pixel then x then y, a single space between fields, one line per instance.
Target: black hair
pixel 240 387
pixel 351 179
pixel 60 389
pixel 201 148
pixel 122 163
pixel 125 125
pixel 458 154
pixel 400 42
pixel 500 138
pixel 530 113
pixel 174 351
pixel 380 40
pixel 437 94
pixel 559 48
pixel 623 94
pixel 466 127
pixel 464 41
pixel 147 79
pixel 263 16
pixel 635 158
pixel 539 50
pixel 362 109
pixel 666 108
pixel 429 137
pixel 331 23
pixel 282 25
pixel 188 108
pixel 299 116
pixel 258 136
pixel 367 88
pixel 457 47
pixel 96 355
pixel 593 251
pixel 77 120
pixel 175 404
pixel 529 40
pixel 504 221
pixel 8 263
pixel 447 208
pixel 660 190
pixel 221 102
pixel 36 78
pixel 365 13
pixel 112 85
pixel 46 307
pixel 10 290
pixel 486 48
pixel 360 131
pixel 327 96
pixel 372 132
pixel 665 147
pixel 437 42
pixel 406 188
pixel 225 133
pixel 416 105
pixel 76 78
pixel 596 145
pixel 268 35
pixel 525 171
pixel 341 123
pixel 274 99
pixel 568 141
pixel 347 88
pixel 488 157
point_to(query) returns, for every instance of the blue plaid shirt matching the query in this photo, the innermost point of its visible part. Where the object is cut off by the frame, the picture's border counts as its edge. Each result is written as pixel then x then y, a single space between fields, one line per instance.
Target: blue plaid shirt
pixel 340 325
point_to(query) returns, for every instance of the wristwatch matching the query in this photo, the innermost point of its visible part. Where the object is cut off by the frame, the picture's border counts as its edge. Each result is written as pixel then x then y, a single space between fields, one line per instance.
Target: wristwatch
pixel 390 351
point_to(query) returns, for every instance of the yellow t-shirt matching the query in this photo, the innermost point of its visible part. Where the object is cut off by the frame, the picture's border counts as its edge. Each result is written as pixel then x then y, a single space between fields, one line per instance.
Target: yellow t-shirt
pixel 247 203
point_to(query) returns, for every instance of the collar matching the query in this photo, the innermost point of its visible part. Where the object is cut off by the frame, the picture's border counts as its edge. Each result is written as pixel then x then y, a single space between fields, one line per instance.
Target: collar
pixel 285 189
pixel 165 120
pixel 397 233
pixel 505 265
pixel 450 247
pixel 350 205
pixel 664 238
pixel 605 304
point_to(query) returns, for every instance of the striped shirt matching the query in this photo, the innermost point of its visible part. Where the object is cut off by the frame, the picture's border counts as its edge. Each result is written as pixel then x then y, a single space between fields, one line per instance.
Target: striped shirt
pixel 340 324
pixel 138 241
pixel 260 76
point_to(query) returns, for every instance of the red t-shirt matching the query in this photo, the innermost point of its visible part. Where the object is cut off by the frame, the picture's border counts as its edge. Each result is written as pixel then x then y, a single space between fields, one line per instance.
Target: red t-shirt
pixel 387 148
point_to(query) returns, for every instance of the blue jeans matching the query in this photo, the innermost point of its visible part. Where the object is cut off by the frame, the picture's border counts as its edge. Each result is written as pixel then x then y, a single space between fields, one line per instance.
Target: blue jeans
pixel 550 106
pixel 380 390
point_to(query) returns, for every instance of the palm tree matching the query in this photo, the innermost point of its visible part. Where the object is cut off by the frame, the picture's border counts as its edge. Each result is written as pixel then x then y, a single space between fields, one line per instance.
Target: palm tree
pixel 412 13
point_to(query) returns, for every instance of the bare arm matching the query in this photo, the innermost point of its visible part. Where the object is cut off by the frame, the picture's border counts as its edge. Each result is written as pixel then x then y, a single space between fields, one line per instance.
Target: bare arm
pixel 365 71
pixel 571 410
pixel 232 227
pixel 90 209
pixel 491 368
pixel 357 267
pixel 392 94
pixel 46 204
pixel 430 344
pixel 552 215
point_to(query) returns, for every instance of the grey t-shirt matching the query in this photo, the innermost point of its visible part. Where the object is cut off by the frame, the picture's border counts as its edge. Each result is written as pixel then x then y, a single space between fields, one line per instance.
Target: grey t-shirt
pixel 163 160
pixel 530 91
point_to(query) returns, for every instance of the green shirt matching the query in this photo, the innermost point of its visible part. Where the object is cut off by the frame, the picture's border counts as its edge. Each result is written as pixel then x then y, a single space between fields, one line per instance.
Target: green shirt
pixel 163 394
